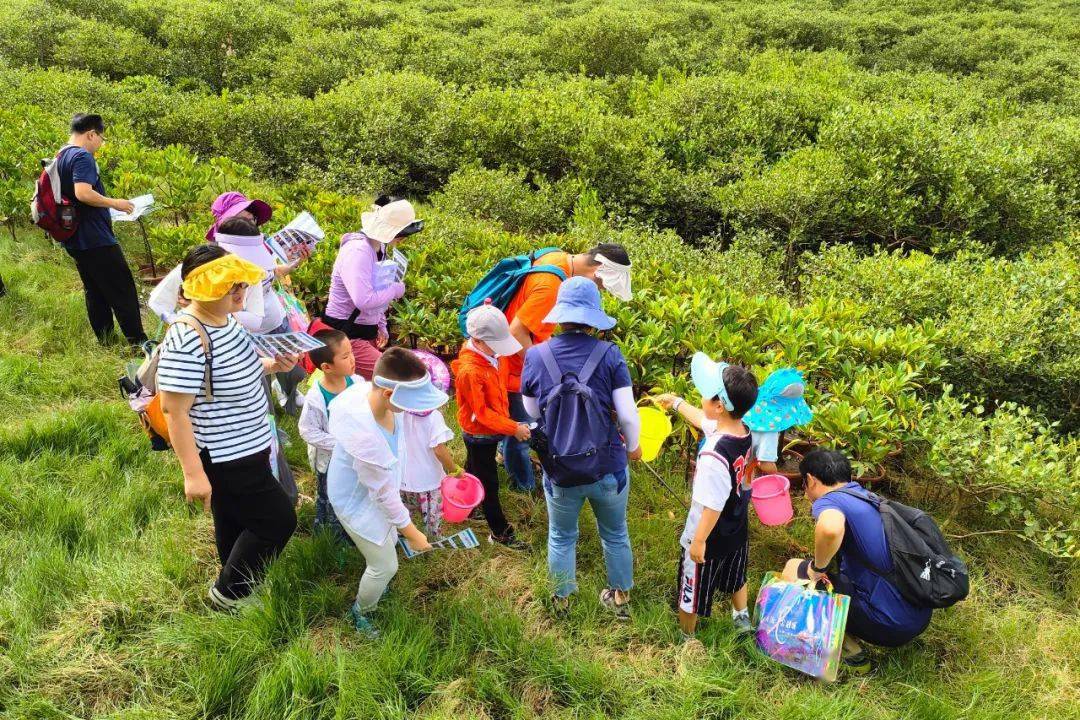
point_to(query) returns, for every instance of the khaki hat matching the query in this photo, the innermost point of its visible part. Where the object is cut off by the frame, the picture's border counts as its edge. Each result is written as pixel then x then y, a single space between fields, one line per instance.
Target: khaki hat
pixel 386 222
pixel 488 323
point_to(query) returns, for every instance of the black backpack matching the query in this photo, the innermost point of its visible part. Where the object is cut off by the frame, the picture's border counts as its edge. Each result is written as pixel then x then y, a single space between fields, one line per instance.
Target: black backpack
pixel 925 570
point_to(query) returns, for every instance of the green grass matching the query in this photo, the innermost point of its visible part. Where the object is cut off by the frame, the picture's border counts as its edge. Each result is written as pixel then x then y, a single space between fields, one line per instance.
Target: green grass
pixel 104 571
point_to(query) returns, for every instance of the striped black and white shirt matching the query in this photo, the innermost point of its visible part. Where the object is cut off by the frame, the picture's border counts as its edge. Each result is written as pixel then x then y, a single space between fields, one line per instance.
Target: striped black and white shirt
pixel 235 424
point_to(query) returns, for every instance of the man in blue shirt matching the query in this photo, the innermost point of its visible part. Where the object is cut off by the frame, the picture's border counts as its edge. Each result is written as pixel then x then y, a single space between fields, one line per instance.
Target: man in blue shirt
pixel 850 529
pixel 107 281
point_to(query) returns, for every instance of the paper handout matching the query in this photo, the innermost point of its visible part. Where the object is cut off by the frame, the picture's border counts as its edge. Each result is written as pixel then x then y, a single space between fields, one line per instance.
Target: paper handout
pixel 293 343
pixel 290 242
pixel 143 204
pixel 458 541
pixel 391 270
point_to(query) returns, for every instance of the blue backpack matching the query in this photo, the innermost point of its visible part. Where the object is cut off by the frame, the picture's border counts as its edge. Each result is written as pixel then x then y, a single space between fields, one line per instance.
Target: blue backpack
pixel 575 445
pixel 500 284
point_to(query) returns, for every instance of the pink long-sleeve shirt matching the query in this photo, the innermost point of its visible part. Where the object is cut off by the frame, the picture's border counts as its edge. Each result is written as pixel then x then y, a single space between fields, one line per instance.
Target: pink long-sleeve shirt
pixel 352 284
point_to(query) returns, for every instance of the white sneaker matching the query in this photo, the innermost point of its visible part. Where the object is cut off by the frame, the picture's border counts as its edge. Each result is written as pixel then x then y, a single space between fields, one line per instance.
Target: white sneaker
pixel 230 605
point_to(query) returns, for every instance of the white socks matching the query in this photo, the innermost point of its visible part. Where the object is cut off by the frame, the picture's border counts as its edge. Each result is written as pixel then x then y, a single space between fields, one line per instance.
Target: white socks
pixel 745 612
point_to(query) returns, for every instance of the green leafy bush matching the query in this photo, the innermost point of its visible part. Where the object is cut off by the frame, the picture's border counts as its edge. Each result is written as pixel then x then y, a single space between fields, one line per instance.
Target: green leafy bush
pixel 1009 328
pixel 1010 463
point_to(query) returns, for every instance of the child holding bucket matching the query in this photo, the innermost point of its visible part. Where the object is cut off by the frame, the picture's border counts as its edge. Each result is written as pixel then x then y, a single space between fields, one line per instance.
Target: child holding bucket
pixel 364 477
pixel 429 459
pixel 716 541
pixel 780 406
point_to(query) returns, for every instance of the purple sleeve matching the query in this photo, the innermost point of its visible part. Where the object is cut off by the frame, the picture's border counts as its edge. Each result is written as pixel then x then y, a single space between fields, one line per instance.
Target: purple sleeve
pixel 84 169
pixel 357 270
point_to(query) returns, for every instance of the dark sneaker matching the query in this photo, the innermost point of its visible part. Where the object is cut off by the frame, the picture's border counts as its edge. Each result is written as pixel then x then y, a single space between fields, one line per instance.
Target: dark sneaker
pixel 858 663
pixel 362 623
pixel 607 599
pixel 560 607
pixel 511 542
pixel 742 624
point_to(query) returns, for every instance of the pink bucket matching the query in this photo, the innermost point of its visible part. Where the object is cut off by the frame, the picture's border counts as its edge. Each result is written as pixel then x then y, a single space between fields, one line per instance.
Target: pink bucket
pixel 772 502
pixel 460 495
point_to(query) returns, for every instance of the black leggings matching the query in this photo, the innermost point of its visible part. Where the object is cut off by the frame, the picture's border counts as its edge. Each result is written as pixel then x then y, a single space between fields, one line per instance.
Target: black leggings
pixel 253 519
pixel 480 461
pixel 110 290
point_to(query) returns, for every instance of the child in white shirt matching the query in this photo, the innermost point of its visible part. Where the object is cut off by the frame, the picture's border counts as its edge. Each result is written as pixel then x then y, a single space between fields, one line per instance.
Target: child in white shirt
pixel 429 460
pixel 364 477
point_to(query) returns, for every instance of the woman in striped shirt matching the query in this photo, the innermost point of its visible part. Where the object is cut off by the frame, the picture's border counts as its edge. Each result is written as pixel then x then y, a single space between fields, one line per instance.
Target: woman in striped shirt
pixel 222 439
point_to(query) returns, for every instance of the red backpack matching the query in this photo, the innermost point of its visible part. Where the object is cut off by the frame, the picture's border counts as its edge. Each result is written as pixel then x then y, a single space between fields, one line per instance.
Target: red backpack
pixel 51 211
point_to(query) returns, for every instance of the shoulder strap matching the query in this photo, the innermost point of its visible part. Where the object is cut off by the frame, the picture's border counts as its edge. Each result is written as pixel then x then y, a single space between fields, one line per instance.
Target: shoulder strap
pixel 869 498
pixel 553 269
pixel 593 361
pixel 549 362
pixel 537 254
pixel 556 271
pixel 204 338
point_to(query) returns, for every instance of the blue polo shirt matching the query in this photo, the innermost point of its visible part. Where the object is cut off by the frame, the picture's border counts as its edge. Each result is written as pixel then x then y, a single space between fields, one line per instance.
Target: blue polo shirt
pixel 865 545
pixel 95 224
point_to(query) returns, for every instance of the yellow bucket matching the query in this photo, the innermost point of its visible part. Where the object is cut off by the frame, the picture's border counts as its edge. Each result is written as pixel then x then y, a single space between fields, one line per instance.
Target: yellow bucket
pixel 655 428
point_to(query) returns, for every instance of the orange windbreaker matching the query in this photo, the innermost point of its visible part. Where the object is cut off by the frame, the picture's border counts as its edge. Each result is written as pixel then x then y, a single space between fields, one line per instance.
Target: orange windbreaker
pixel 483 407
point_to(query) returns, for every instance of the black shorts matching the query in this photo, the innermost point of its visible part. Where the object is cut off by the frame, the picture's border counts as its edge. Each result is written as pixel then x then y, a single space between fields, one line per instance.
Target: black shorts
pixel 859 624
pixel 698 582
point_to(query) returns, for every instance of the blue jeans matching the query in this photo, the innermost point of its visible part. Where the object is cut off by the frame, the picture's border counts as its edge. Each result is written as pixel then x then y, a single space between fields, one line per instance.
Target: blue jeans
pixel 325 517
pixel 515 452
pixel 609 506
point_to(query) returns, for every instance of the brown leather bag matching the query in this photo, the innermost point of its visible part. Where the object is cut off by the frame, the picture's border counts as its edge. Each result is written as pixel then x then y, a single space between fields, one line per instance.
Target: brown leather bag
pixel 153 417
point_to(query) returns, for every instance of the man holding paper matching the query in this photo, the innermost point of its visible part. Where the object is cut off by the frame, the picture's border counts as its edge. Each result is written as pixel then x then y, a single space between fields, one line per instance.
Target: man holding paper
pixel 107 281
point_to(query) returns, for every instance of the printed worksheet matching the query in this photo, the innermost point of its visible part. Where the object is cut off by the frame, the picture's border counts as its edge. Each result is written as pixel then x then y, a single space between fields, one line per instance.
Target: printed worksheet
pixel 143 204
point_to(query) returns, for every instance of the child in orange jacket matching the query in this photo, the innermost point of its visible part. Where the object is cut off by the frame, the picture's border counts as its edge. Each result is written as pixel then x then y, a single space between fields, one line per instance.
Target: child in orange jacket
pixel 484 410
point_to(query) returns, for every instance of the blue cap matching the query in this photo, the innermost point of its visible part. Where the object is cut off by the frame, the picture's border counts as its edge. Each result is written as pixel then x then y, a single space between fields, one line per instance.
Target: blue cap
pixel 708 377
pixel 579 302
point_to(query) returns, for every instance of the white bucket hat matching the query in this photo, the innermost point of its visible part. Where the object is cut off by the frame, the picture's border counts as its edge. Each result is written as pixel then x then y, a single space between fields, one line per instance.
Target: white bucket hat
pixel 387 222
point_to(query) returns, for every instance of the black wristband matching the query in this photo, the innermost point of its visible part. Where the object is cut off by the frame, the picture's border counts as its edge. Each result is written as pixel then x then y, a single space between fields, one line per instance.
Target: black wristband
pixel 816 569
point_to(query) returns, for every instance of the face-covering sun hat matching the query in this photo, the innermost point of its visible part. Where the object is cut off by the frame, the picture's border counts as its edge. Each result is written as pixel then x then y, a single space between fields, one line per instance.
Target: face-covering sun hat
pixel 415 396
pixel 230 204
pixel 215 279
pixel 615 277
pixel 578 301
pixel 386 223
pixel 780 404
pixel 708 378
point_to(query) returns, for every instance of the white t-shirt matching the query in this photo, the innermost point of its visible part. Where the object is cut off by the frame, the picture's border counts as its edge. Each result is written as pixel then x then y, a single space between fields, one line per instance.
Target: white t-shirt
pixel 712 486
pixel 235 424
pixel 422 471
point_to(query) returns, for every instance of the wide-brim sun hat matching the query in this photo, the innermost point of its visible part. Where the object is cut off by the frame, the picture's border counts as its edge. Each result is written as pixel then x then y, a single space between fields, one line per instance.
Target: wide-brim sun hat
pixel 780 404
pixel 579 302
pixel 708 378
pixel 388 222
pixel 230 204
pixel 416 396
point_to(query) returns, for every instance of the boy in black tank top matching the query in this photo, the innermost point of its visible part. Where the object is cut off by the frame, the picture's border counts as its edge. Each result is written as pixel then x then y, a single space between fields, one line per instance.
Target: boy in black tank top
pixel 715 541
